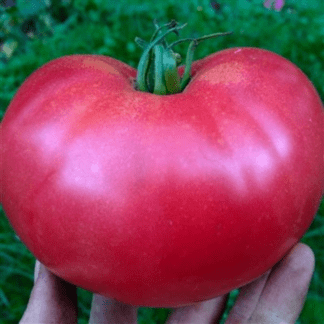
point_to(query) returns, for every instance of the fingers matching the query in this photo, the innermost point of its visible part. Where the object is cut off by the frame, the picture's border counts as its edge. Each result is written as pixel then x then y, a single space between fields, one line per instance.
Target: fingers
pixel 284 292
pixel 52 300
pixel 275 298
pixel 247 300
pixel 206 312
pixel 108 311
pixel 284 295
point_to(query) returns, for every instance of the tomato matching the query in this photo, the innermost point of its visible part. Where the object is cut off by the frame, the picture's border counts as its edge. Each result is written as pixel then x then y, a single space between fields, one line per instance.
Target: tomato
pixel 163 200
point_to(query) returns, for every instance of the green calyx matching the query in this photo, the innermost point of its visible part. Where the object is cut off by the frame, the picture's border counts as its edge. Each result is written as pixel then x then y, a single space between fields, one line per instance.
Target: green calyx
pixel 157 71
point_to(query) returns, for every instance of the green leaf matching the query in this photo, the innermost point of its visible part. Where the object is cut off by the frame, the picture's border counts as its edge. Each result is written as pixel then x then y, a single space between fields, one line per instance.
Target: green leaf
pixel 32 7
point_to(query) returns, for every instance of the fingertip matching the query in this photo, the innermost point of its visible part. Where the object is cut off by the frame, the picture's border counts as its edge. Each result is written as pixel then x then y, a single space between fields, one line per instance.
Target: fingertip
pixel 209 311
pixel 302 258
pixel 306 251
pixel 105 310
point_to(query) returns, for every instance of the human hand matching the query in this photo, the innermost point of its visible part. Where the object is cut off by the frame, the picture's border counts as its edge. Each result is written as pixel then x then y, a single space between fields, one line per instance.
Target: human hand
pixel 275 298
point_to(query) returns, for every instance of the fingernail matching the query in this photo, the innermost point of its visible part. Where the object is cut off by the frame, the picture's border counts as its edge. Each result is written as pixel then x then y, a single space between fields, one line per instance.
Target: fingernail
pixel 36 271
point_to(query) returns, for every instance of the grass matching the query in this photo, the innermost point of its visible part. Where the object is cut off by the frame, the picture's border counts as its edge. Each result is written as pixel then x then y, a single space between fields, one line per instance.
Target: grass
pixel 31 36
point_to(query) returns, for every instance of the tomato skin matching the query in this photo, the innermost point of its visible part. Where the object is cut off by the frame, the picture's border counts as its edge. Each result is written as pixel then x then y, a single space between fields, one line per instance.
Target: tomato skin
pixel 163 201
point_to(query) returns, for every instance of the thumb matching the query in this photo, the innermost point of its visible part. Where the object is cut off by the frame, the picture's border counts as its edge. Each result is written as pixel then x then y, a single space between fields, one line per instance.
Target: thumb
pixel 52 300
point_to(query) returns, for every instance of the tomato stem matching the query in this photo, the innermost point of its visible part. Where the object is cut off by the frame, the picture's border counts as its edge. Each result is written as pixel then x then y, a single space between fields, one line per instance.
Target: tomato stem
pixel 144 62
pixel 157 71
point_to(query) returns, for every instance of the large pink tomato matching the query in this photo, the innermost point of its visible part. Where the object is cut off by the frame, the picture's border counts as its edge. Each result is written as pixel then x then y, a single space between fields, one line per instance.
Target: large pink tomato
pixel 163 200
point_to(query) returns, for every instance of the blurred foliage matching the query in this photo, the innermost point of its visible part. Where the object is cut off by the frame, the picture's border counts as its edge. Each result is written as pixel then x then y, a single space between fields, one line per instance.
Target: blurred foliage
pixel 36 31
